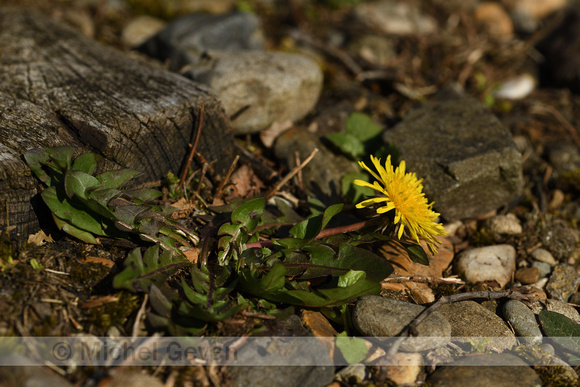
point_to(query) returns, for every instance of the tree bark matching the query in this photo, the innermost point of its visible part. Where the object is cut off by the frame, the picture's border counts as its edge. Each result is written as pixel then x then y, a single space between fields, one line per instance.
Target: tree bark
pixel 60 88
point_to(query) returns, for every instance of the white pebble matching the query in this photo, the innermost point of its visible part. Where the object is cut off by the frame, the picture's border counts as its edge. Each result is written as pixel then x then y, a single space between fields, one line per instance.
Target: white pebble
pixel 516 88
pixel 490 263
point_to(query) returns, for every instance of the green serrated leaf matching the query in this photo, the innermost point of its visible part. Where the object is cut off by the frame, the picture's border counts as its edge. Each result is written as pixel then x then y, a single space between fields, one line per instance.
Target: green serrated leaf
pixel 353 349
pixel 104 196
pixel 146 195
pixel 64 210
pixel 362 127
pixel 82 235
pixel 87 162
pixel 229 229
pixel 143 271
pixel 310 228
pixel 116 179
pixel 193 296
pixel 325 297
pixel 275 279
pixel 248 214
pixel 35 159
pixel 79 183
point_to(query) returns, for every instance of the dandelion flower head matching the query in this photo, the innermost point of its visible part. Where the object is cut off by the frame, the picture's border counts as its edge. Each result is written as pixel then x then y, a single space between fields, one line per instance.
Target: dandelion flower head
pixel 404 194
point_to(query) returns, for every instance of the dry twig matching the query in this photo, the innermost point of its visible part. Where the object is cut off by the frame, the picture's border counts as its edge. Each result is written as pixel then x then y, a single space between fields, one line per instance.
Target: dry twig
pixel 193 147
pixel 292 173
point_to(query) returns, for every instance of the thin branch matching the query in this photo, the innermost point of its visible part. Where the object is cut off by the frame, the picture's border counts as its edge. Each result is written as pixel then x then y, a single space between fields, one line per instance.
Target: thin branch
pixel 193 147
pixel 203 171
pixel 225 180
pixel 292 173
pixel 139 317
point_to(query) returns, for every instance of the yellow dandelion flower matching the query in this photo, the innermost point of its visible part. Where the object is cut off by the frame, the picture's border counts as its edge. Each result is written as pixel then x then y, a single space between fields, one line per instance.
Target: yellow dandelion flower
pixel 404 194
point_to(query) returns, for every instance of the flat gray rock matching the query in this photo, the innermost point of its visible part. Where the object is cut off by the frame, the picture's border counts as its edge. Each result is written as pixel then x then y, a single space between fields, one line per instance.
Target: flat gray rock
pixel 185 40
pixel 466 157
pixel 498 370
pixel 383 317
pixel 469 319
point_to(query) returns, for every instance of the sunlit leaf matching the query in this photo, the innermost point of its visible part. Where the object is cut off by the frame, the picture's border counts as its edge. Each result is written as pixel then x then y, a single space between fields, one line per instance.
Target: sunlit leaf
pixel 87 162
pixel 353 349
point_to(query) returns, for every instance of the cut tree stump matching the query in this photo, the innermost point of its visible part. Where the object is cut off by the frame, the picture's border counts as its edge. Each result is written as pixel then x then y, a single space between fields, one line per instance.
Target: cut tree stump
pixel 58 87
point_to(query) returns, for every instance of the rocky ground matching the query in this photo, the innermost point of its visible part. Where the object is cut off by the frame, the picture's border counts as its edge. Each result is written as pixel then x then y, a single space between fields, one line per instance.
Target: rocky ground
pixel 479 98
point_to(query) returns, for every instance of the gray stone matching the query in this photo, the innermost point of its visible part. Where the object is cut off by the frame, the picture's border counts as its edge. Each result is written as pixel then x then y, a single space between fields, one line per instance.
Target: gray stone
pixel 498 370
pixel 559 239
pixel 564 157
pixel 563 282
pixel 543 255
pixel 185 40
pixel 545 268
pixel 262 375
pixel 523 321
pixel 466 157
pixel 323 174
pixel 375 49
pixel 394 17
pixel 258 88
pixel 469 319
pixel 489 263
pixel 25 375
pixel 504 224
pixel 384 317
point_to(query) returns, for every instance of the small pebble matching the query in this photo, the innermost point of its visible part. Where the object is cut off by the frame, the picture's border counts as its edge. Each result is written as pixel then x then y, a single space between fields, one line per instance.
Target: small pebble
pixel 354 374
pixel 490 263
pixel 543 255
pixel 516 88
pixel 394 17
pixel 528 275
pixel 523 321
pixel 545 268
pixel 563 282
pixel 406 369
pixel 504 224
pixel 494 17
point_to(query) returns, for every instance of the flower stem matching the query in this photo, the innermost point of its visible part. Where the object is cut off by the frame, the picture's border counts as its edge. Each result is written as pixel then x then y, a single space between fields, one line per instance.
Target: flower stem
pixel 324 233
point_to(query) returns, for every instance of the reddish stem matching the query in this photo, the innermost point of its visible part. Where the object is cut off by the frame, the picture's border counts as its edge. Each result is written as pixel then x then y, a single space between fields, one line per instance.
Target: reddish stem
pixel 323 234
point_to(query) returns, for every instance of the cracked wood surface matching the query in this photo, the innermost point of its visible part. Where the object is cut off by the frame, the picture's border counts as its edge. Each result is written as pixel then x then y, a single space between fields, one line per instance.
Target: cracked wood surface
pixel 60 88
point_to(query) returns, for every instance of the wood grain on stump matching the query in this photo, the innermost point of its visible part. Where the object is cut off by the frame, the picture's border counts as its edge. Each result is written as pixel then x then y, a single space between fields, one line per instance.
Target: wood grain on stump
pixel 58 87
